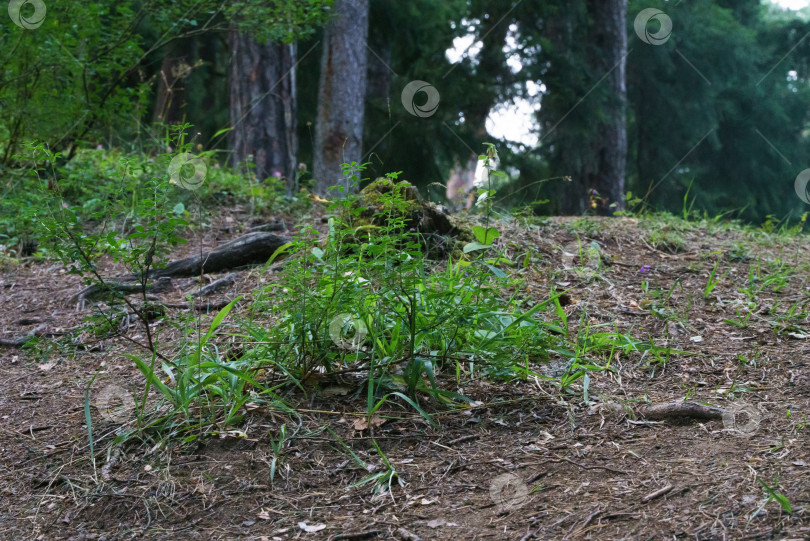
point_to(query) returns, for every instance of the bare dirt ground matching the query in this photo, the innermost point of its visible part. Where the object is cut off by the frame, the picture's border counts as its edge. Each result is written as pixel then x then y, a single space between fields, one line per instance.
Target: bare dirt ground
pixel 529 462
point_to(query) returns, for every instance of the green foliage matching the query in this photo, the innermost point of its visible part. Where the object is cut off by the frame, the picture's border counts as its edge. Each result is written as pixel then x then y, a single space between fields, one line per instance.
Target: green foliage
pixel 742 128
pixel 780 498
pixel 85 73
pixel 118 191
pixel 70 73
pixel 267 20
pixel 136 220
pixel 713 280
pixel 371 301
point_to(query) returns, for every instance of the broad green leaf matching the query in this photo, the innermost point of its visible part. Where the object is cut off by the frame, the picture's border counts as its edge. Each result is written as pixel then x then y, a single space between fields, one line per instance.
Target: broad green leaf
pixel 485 235
pixel 281 250
pixel 475 246
pixel 168 392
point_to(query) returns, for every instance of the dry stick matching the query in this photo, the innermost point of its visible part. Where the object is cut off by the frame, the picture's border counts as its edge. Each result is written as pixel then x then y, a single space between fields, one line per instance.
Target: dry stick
pixel 215 286
pixel 584 524
pixel 462 439
pixel 405 535
pixel 658 493
pixel 20 341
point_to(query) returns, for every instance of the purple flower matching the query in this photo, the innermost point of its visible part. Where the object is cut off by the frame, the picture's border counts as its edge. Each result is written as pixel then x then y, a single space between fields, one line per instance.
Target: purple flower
pixel 100 147
pixel 645 268
pixel 594 192
pixel 277 174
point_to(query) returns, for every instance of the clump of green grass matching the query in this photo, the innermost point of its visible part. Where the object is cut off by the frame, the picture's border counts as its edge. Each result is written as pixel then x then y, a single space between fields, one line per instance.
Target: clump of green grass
pixel 377 305
pixel 667 239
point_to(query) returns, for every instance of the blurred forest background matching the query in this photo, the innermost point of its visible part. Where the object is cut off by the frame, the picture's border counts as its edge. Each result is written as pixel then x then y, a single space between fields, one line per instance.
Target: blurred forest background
pixel 711 114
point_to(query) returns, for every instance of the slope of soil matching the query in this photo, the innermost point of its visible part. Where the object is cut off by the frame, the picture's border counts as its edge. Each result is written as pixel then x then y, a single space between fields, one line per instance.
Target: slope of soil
pixel 526 462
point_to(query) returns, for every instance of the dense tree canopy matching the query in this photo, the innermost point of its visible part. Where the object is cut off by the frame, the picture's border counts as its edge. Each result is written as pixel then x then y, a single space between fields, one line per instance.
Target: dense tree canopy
pixel 718 108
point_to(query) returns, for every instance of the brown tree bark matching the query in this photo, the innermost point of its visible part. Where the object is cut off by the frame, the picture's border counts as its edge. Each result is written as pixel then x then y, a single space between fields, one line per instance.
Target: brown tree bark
pixel 608 179
pixel 610 35
pixel 263 107
pixel 595 118
pixel 341 95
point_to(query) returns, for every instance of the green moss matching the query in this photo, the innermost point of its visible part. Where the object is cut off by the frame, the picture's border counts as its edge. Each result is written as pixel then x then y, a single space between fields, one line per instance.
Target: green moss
pixel 384 200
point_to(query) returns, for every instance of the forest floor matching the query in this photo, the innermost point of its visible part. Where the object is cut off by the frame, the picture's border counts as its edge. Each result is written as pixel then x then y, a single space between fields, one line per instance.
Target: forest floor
pixel 526 461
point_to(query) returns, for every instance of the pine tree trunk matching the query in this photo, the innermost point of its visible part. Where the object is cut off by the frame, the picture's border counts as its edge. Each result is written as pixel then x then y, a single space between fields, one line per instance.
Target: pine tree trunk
pixel 587 125
pixel 610 35
pixel 341 94
pixel 263 107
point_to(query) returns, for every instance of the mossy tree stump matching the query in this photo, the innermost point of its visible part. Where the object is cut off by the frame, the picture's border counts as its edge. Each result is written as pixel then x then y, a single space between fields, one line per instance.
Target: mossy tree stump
pixel 377 206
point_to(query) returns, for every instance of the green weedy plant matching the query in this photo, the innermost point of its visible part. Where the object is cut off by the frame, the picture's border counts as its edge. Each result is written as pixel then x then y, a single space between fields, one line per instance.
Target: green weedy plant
pixel 713 280
pixel 137 227
pixel 80 238
pixel 780 498
pixel 368 301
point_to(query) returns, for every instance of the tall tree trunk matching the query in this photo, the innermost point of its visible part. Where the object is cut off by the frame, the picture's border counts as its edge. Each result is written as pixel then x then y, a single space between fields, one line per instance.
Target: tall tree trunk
pixel 263 107
pixel 341 93
pixel 586 124
pixel 610 35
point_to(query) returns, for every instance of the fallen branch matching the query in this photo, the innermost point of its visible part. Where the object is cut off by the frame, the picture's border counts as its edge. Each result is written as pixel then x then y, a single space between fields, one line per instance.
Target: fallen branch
pixel 206 306
pixel 357 535
pixel 20 341
pixel 214 286
pixel 120 289
pixel 680 410
pixel 251 249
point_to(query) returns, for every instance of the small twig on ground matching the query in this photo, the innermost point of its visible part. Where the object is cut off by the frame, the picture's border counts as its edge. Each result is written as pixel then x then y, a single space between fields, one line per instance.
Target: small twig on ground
pixel 215 286
pixel 20 341
pixel 584 524
pixel 657 494
pixel 462 439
